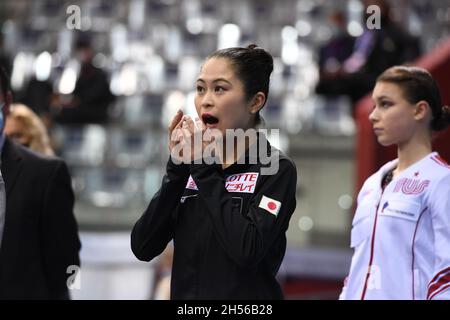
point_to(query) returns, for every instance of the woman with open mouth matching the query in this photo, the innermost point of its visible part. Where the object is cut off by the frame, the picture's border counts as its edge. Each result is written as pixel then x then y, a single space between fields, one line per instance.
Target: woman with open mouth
pixel 228 220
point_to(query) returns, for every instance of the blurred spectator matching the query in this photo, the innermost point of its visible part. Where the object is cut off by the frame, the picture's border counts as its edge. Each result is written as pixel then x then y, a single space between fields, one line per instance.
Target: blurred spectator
pixel 331 57
pixel 374 51
pixel 339 48
pixel 91 98
pixel 24 127
pixel 39 244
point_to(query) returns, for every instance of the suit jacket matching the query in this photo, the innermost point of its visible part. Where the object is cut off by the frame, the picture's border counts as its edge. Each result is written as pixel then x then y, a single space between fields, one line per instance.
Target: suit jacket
pixel 40 239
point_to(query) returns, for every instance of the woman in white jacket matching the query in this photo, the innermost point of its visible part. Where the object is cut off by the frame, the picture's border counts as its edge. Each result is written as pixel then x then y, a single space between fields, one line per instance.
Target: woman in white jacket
pixel 401 228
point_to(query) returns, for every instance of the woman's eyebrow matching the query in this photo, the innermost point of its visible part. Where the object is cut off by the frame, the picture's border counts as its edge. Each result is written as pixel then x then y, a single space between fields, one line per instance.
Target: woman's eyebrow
pixel 215 80
pixel 381 98
pixel 222 79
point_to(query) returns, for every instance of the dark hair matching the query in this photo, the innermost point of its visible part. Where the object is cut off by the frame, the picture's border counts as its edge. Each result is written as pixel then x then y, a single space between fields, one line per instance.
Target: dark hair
pixel 417 84
pixel 253 66
pixel 4 82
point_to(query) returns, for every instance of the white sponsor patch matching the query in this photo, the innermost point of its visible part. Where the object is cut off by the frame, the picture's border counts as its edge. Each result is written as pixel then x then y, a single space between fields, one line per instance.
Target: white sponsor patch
pixel 271 205
pixel 402 209
pixel 241 182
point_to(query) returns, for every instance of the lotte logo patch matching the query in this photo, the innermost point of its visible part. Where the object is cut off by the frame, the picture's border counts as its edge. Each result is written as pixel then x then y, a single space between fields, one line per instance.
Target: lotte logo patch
pixel 241 182
pixel 271 205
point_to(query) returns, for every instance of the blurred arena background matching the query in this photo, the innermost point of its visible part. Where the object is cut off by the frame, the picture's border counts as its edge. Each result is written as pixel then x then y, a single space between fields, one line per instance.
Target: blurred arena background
pixel 151 51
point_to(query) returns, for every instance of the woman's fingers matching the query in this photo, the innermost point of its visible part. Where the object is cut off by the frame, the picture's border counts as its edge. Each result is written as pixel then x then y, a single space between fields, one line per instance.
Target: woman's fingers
pixel 176 120
pixel 185 127
pixel 186 131
pixel 175 134
pixel 199 124
pixel 188 123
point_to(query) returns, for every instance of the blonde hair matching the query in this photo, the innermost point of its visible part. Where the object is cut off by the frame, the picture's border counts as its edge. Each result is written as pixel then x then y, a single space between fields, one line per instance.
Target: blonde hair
pixel 34 128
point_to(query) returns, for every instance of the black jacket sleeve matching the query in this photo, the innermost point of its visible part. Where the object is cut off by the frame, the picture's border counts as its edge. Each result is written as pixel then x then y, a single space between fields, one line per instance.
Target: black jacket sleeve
pixel 60 244
pixel 154 229
pixel 247 237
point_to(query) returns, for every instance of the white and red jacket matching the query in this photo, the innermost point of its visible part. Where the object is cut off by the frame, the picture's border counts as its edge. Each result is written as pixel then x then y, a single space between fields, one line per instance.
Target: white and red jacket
pixel 401 236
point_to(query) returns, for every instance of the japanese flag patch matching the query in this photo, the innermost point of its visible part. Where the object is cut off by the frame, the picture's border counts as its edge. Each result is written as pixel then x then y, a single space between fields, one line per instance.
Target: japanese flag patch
pixel 271 205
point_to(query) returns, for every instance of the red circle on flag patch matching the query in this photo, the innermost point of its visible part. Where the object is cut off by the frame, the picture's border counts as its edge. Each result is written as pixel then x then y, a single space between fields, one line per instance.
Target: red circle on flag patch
pixel 272 205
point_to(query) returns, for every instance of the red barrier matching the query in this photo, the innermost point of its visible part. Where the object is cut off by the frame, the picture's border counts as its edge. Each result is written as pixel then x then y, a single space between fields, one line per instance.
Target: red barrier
pixel 370 155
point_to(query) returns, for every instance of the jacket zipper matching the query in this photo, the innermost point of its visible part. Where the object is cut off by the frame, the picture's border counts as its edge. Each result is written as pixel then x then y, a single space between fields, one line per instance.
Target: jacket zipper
pixel 372 245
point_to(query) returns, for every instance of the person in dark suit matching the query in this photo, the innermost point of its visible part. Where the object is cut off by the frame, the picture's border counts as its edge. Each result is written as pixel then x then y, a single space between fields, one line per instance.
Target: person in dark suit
pixel 39 244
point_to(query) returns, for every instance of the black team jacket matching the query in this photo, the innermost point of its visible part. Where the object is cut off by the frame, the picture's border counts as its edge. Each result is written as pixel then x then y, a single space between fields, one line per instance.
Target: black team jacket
pixel 228 227
pixel 40 244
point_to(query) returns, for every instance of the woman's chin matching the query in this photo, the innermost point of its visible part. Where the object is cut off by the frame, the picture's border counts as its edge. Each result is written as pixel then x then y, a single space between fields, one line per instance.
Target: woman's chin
pixel 385 142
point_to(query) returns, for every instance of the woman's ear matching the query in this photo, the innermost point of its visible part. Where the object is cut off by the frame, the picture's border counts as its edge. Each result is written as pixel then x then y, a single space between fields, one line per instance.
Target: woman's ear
pixel 422 110
pixel 258 101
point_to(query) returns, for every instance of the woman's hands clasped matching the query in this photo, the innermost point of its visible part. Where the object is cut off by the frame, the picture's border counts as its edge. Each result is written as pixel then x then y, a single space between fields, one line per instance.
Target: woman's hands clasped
pixel 190 140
